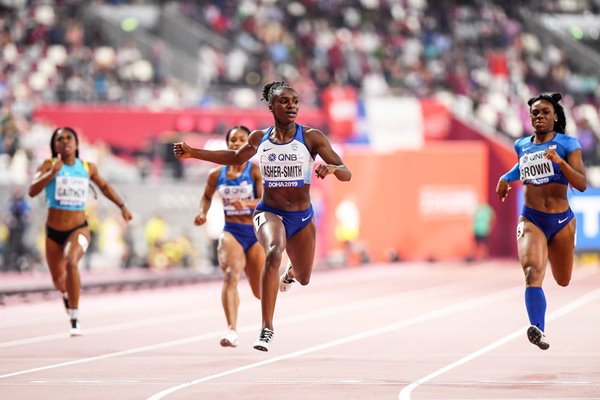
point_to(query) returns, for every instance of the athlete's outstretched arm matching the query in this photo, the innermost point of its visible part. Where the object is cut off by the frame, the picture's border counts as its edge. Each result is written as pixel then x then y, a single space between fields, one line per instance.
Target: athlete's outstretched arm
pixel 223 157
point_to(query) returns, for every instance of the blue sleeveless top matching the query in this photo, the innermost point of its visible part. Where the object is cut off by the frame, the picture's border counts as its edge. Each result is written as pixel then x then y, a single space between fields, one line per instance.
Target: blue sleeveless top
pixel 69 188
pixel 535 168
pixel 241 188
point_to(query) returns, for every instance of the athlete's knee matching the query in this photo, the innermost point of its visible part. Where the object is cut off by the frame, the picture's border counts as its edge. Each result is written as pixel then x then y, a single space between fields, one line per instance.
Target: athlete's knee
pixel 72 264
pixel 532 275
pixel 60 283
pixel 303 280
pixel 256 291
pixel 273 256
pixel 230 275
pixel 563 281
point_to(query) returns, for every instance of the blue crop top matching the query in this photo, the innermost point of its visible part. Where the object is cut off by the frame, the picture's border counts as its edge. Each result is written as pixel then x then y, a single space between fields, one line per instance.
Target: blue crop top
pixel 535 168
pixel 241 188
pixel 69 188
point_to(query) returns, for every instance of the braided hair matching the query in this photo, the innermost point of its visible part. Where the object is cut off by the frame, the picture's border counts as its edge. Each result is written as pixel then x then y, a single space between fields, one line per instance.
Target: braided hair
pixel 553 98
pixel 57 132
pixel 270 88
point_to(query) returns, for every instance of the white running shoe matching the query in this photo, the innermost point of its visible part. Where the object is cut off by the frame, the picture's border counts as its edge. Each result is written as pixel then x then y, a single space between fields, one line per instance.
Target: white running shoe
pixel 537 337
pixel 264 340
pixel 75 328
pixel 230 339
pixel 285 282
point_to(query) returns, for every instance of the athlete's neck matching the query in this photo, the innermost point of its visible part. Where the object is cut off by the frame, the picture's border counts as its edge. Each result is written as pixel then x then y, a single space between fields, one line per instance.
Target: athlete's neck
pixel 284 131
pixel 543 136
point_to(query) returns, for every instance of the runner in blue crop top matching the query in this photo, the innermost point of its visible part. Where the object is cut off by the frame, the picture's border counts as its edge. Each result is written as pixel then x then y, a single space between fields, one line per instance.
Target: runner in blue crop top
pixel 65 179
pixel 548 162
pixel 240 188
pixel 283 219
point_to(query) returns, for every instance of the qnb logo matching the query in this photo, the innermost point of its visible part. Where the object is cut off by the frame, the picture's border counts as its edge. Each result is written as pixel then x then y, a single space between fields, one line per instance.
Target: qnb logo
pixel 589 206
pixel 272 157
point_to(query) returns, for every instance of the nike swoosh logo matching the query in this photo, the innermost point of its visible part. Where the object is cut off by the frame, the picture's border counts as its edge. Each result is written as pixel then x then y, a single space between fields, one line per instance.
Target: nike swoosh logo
pixel 304 219
pixel 560 221
pixel 267 149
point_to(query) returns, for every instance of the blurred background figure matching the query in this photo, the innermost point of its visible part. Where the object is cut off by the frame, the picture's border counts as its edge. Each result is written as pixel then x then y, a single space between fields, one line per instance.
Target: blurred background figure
pixel 483 222
pixel 347 230
pixel 17 250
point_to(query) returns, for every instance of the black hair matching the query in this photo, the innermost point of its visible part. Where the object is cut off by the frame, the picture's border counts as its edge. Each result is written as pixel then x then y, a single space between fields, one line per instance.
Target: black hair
pixel 270 88
pixel 553 98
pixel 241 127
pixel 57 132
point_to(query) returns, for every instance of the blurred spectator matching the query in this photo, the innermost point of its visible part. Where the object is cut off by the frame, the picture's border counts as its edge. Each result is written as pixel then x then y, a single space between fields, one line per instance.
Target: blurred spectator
pixel 483 220
pixel 18 223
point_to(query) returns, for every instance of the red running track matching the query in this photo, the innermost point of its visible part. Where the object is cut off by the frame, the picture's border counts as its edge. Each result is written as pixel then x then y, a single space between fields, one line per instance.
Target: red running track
pixel 401 331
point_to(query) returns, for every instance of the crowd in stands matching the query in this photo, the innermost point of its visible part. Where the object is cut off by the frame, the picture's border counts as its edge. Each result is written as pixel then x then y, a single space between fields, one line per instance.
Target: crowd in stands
pixel 476 56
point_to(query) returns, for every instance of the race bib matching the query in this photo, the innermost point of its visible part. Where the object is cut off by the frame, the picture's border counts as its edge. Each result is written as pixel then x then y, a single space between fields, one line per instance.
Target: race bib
pixel 71 190
pixel 282 170
pixel 535 167
pixel 230 194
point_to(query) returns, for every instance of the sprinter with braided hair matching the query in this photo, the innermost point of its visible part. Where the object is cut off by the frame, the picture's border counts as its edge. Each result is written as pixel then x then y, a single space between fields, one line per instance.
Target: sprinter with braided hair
pixel 548 162
pixel 284 218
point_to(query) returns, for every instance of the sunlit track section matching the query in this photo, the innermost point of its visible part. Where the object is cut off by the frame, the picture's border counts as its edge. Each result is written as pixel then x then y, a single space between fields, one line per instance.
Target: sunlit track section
pixel 365 304
pixel 332 311
pixel 424 317
pixel 105 329
pixel 405 393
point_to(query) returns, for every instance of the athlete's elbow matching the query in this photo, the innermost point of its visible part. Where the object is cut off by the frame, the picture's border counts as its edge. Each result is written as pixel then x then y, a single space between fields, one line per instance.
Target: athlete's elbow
pixel 581 187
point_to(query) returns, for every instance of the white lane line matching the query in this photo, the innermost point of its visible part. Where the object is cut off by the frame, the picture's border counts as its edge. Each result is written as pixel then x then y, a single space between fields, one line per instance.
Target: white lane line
pixel 472 303
pixel 580 302
pixel 379 301
pixel 104 329
pixel 336 310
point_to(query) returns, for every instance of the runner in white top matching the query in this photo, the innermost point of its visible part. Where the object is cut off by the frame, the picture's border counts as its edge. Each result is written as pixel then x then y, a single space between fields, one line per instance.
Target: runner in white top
pixel 283 220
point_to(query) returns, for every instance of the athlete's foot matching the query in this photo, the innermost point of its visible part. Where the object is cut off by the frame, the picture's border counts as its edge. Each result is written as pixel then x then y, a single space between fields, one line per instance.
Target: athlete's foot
pixel 285 281
pixel 537 337
pixel 264 340
pixel 230 339
pixel 75 328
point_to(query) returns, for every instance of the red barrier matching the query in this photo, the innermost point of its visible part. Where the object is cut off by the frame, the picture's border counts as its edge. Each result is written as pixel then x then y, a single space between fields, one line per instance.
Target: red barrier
pixel 418 203
pixel 130 127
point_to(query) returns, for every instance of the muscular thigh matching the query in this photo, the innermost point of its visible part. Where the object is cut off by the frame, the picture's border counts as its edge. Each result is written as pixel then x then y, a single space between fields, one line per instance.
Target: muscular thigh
pixel 301 248
pixel 230 252
pixel 532 245
pixel 77 244
pixel 561 248
pixel 55 257
pixel 270 231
